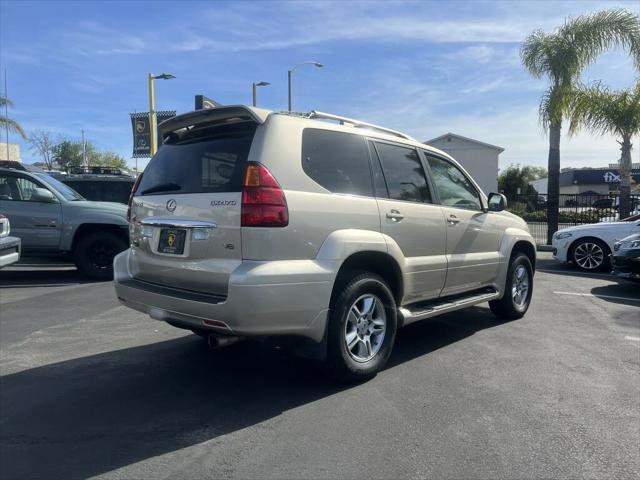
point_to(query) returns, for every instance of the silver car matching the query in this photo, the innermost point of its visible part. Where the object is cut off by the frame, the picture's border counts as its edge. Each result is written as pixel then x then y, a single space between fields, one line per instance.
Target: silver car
pixel 319 230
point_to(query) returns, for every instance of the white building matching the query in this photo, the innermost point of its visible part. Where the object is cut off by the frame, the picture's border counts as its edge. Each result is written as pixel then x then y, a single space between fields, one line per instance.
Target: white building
pixel 480 159
pixel 14 152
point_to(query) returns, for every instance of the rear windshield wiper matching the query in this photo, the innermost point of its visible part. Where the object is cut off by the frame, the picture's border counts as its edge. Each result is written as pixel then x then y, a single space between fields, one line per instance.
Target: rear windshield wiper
pixel 162 187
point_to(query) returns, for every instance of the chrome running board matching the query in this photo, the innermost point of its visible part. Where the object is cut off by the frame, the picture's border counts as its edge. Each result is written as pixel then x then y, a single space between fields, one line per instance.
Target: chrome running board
pixel 416 312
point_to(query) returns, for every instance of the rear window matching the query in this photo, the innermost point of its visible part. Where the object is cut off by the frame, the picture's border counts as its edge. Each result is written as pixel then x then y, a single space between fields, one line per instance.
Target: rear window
pixel 213 161
pixel 337 161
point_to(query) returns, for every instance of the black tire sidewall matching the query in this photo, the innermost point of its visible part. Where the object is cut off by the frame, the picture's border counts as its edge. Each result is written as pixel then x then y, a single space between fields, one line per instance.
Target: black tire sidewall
pixel 340 361
pixel 81 254
pixel 520 259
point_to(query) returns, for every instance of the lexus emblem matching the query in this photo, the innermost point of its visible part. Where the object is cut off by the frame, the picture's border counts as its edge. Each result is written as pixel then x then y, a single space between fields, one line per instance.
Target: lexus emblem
pixel 171 205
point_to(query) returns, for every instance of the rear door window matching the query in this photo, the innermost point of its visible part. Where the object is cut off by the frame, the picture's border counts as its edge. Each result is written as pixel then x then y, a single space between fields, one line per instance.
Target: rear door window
pixel 403 172
pixel 210 162
pixel 338 161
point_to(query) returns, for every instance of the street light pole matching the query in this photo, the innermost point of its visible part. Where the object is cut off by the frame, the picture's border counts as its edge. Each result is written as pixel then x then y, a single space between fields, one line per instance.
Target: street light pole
pixel 152 109
pixel 290 73
pixel 255 85
pixel 289 85
pixel 152 116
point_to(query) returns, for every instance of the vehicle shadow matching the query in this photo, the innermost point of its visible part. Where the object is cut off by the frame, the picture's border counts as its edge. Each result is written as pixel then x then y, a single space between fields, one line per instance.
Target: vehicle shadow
pixel 624 292
pixel 41 276
pixel 551 266
pixel 91 415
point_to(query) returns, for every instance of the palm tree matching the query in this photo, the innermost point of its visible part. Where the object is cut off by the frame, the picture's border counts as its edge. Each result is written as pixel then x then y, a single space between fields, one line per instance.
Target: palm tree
pixel 561 57
pixel 611 112
pixel 5 122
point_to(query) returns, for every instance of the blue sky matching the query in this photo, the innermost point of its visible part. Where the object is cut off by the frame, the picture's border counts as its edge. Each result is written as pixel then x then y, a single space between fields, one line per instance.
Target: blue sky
pixel 425 68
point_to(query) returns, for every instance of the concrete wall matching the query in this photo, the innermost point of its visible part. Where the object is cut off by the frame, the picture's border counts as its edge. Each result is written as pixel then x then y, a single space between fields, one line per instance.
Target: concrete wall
pixel 481 162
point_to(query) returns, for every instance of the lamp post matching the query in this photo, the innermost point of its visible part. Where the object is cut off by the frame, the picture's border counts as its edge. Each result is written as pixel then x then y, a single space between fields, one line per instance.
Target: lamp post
pixel 152 108
pixel 259 84
pixel 290 73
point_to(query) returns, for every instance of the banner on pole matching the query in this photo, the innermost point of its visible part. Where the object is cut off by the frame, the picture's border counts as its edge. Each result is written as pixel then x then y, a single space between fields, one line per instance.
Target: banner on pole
pixel 142 131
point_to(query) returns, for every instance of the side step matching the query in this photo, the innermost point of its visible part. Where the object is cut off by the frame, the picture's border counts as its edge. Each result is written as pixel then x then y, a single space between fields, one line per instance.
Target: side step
pixel 420 311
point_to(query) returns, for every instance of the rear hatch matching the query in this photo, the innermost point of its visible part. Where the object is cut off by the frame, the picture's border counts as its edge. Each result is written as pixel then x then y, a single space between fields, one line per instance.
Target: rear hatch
pixel 186 212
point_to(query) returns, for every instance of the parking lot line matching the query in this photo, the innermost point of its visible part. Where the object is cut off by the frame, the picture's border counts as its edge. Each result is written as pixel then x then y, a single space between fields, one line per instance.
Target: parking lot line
pixel 635 339
pixel 613 297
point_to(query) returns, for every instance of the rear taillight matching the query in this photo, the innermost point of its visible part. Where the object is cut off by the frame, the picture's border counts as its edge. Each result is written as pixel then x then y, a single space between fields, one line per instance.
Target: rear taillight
pixel 263 201
pixel 133 191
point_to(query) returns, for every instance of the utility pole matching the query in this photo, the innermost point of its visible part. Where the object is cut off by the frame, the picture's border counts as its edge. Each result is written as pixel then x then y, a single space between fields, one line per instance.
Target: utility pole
pixel 84 151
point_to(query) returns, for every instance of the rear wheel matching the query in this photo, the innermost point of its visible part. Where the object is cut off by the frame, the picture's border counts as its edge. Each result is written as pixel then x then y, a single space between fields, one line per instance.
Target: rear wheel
pixel 590 255
pixel 362 328
pixel 94 254
pixel 517 290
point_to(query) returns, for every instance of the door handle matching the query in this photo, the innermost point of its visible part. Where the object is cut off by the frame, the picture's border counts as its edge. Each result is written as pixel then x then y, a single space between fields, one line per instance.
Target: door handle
pixel 395 215
pixel 453 220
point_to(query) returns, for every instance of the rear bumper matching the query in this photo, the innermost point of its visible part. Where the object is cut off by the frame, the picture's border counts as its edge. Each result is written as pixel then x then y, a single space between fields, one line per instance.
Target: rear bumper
pixel 264 299
pixel 9 250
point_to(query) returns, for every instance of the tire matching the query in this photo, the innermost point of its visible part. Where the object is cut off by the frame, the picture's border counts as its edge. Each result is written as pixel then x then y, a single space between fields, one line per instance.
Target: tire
pixel 590 255
pixel 370 295
pixel 514 305
pixel 94 254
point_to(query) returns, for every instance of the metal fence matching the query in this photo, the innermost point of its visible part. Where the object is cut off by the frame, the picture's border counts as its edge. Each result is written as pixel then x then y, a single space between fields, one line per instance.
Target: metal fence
pixel 574 209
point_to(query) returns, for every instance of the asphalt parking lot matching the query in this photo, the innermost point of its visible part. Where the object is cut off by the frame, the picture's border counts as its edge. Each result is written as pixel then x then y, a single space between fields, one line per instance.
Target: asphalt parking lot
pixel 90 388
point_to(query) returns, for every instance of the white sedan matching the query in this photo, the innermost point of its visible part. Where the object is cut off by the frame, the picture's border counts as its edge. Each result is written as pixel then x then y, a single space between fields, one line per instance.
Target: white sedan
pixel 589 246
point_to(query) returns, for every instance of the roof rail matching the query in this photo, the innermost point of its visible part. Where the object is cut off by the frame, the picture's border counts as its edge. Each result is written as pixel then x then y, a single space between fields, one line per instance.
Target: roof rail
pixel 358 124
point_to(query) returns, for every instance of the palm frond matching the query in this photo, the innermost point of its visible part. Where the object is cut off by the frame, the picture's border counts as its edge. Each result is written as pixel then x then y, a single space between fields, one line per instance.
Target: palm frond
pixel 5 101
pixel 605 111
pixel 593 34
pixel 13 126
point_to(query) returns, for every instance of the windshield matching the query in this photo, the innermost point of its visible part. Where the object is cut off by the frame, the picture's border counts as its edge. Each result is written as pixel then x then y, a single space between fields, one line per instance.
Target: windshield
pixel 67 192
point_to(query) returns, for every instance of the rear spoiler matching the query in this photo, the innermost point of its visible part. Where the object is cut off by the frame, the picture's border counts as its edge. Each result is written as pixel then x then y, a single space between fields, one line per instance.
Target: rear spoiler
pixel 231 112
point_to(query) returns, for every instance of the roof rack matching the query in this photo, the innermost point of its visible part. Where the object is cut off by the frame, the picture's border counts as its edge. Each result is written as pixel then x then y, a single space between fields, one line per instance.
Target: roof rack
pixel 358 124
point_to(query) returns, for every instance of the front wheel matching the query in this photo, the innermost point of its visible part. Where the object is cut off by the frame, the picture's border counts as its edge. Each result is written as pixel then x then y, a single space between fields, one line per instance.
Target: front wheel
pixel 590 255
pixel 518 290
pixel 362 328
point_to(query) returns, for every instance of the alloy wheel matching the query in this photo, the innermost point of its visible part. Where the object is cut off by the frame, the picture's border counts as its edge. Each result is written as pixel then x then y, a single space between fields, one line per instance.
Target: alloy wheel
pixel 520 286
pixel 589 255
pixel 365 328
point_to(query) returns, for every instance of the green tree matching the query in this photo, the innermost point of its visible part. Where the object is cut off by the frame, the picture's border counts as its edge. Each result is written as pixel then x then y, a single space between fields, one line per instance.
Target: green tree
pixel 111 159
pixel 561 57
pixel 515 177
pixel 12 125
pixel 68 153
pixel 606 111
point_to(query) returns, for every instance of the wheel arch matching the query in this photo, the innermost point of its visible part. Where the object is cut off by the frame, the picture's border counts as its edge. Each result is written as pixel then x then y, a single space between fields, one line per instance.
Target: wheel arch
pixel 89 228
pixel 522 246
pixel 377 262
pixel 573 244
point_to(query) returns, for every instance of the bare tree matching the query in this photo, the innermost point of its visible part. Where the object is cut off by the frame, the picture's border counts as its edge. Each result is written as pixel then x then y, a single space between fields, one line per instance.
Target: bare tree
pixel 41 141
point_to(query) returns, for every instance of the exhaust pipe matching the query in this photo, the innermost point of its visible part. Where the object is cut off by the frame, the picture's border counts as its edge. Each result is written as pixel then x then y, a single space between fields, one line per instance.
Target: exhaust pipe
pixel 219 341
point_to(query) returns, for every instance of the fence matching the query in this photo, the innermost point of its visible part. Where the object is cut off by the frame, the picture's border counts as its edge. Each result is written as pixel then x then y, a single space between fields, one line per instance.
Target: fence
pixel 573 209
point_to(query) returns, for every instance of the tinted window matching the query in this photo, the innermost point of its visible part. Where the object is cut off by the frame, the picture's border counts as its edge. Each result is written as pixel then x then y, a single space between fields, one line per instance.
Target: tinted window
pixel 454 188
pixel 17 188
pixel 67 192
pixel 337 161
pixel 211 162
pixel 404 173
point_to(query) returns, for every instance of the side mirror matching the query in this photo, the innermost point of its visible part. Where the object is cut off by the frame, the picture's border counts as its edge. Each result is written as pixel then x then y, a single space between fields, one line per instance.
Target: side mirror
pixel 497 202
pixel 42 195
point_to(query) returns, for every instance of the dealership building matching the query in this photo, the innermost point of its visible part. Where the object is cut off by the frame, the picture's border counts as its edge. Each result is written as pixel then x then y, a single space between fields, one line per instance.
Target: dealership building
pixel 588 181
